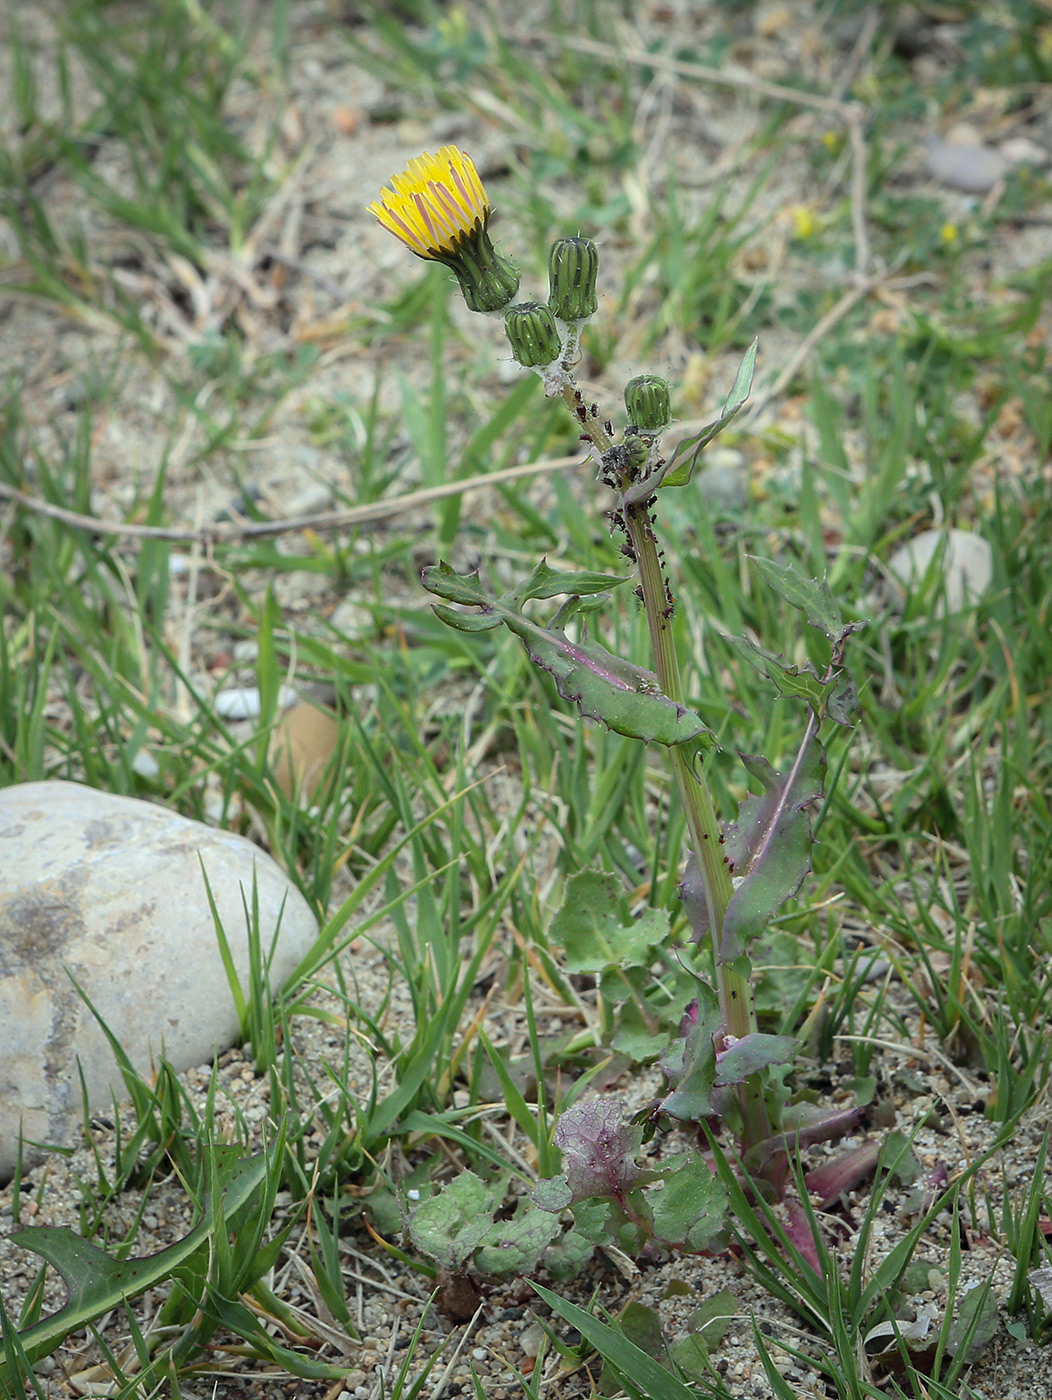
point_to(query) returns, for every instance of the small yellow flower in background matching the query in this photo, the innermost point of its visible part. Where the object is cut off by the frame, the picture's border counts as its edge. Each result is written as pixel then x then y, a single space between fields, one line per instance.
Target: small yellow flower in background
pixel 804 222
pixel 949 234
pixel 439 210
pixel 831 140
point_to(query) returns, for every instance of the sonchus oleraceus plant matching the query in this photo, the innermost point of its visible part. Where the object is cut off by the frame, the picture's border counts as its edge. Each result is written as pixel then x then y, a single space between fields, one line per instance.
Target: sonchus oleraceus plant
pixel 724 1073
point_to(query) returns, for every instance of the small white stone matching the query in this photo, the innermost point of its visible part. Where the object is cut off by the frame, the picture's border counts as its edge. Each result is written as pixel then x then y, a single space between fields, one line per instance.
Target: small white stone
pixel 245 702
pixel 109 890
pixel 967 565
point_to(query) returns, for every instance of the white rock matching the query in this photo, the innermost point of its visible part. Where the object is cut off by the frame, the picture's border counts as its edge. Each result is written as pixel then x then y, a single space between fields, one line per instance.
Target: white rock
pixel 967 565
pixel 110 890
pixel 245 702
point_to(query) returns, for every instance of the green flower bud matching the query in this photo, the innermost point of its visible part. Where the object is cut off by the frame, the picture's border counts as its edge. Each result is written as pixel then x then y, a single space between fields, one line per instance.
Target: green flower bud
pixel 573 267
pixel 636 452
pixel 647 402
pixel 533 334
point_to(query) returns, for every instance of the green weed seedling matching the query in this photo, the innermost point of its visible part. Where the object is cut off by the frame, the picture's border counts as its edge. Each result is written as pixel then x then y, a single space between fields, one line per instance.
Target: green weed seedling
pixel 722 1069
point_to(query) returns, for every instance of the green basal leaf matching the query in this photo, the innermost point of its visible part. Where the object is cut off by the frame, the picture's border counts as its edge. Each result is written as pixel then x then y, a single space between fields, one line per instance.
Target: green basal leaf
pixel 976 1323
pixel 691 1208
pixel 96 1283
pixel 642 1326
pixel 711 1321
pixel 708 1326
pixel 591 929
pixel 810 596
pixel 515 1246
pixel 552 1193
pixel 567 1255
pixel 634 1037
pixel 449 1227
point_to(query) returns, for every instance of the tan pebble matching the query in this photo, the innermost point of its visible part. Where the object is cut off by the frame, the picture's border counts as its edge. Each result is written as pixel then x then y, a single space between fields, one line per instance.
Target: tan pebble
pixel 346 120
pixel 303 741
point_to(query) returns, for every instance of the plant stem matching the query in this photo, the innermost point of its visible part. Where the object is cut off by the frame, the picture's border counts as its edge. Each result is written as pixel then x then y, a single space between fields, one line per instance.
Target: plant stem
pixel 734 990
pixel 737 1008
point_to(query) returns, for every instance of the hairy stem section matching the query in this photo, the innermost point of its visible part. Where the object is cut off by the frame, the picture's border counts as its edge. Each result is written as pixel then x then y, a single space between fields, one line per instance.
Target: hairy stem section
pixel 737 1007
pixel 735 993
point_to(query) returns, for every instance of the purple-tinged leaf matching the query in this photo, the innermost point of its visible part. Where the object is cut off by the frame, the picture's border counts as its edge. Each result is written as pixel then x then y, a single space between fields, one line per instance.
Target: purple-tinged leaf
pixel 800 1229
pixel 692 897
pixel 836 1179
pixel 769 847
pixel 598 1149
pixel 803 1125
pixel 691 1062
pixel 751 1054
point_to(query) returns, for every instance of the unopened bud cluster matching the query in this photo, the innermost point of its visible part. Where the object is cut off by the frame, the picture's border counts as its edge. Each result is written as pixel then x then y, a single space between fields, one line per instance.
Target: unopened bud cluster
pixel 545 338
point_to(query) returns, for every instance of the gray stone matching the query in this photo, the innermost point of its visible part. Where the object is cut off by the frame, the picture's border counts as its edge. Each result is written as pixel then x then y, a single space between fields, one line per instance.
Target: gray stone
pixel 110 890
pixel 975 169
pixel 967 566
pixel 723 481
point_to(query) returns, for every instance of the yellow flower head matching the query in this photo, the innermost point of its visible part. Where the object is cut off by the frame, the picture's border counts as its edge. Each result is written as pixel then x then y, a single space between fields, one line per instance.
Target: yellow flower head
pixel 439 210
pixel 437 204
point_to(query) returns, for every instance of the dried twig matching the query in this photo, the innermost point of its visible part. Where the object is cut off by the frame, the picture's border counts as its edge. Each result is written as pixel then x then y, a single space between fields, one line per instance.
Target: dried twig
pixel 235 532
pixel 819 331
pixel 685 69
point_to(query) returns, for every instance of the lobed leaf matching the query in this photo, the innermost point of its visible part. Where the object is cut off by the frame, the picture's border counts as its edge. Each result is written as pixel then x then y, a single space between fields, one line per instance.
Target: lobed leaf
pixel 604 687
pixel 769 847
pixel 590 929
pixel 449 1226
pixel 691 1209
pixel 811 596
pixel 515 1246
pixel 598 1149
pixel 96 1283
